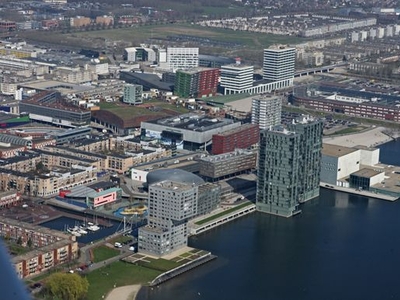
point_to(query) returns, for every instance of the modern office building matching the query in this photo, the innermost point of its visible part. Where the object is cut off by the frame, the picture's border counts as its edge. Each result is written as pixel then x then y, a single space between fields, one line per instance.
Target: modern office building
pixel 208 198
pixel 289 166
pixel 226 165
pixel 266 110
pixel 338 162
pixel 170 205
pixel 242 137
pixel 182 58
pixel 188 131
pixel 136 54
pixel 133 94
pixel 211 61
pixel 279 63
pixel 310 130
pixel 197 82
pixel 278 172
pixel 235 78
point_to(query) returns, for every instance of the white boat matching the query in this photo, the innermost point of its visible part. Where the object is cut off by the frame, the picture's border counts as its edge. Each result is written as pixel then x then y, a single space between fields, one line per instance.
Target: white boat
pixel 93 227
pixel 73 232
pixel 82 231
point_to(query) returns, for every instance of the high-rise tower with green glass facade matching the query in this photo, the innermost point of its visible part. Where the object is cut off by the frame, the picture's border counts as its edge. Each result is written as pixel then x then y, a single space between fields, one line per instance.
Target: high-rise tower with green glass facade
pixel 289 166
pixel 310 130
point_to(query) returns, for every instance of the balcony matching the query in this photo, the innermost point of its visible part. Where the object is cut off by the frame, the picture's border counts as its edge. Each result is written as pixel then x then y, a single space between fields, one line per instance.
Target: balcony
pixel 32 264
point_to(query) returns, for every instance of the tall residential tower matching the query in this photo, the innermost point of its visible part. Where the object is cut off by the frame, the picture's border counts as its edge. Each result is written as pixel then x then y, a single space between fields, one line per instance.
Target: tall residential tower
pixel 289 166
pixel 266 110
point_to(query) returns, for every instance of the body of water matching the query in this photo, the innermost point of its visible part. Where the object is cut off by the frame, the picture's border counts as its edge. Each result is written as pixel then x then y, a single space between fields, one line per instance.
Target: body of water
pixel 340 247
pixel 63 222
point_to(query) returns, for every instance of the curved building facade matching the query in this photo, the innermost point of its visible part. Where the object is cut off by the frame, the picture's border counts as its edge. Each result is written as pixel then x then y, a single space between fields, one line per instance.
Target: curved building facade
pixel 175 175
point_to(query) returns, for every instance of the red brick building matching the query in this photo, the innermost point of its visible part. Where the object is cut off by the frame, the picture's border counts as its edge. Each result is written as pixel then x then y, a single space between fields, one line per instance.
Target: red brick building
pixel 197 82
pixel 208 82
pixel 7 25
pixel 239 138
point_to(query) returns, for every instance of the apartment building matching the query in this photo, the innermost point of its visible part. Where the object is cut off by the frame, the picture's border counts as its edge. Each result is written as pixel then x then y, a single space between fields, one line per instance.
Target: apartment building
pixel 266 110
pixel 51 247
pixel 225 165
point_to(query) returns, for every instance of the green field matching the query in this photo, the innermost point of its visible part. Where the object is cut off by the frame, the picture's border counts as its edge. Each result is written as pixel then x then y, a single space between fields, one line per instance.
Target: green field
pixel 142 33
pixel 228 211
pixel 103 253
pixel 101 281
pixel 125 111
pixel 252 43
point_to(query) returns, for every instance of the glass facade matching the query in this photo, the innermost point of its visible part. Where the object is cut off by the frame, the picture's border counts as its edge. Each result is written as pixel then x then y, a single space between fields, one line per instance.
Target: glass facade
pixel 289 166
pixel 359 182
pixel 278 172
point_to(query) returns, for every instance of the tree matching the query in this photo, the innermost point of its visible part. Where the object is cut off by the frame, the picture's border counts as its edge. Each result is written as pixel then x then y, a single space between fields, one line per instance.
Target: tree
pixel 67 286
pixel 29 243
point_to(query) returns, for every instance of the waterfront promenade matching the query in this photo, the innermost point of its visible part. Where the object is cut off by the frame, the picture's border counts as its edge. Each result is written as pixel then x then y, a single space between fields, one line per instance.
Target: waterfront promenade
pixel 358 192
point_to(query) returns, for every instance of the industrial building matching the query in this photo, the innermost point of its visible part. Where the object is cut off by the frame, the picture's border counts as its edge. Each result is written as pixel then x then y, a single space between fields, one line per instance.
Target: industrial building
pixel 197 83
pixel 266 110
pixel 243 137
pixel 189 131
pixel 229 164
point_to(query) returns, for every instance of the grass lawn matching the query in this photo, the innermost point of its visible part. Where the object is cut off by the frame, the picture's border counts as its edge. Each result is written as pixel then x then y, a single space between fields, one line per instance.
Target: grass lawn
pixel 228 211
pixel 101 281
pixel 142 33
pixel 187 254
pixel 103 252
pixel 125 111
pixel 159 264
